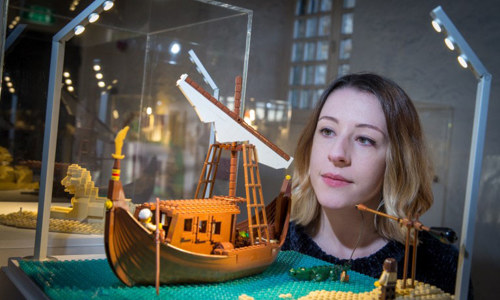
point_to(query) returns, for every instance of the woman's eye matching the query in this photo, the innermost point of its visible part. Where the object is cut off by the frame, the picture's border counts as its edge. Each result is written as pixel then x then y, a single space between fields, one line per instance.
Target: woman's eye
pixel 366 141
pixel 326 132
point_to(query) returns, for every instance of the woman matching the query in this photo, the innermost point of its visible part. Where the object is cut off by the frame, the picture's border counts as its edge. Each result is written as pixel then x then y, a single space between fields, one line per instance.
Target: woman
pixel 364 145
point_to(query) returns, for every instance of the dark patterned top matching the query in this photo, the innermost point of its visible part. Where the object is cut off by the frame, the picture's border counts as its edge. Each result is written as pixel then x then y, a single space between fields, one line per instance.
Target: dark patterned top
pixel 437 262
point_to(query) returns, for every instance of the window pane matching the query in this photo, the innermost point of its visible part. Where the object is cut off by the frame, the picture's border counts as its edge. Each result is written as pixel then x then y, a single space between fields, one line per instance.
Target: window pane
pixel 326 5
pixel 293 97
pixel 305 97
pixel 347 23
pixel 324 26
pixel 312 6
pixel 317 94
pixel 343 70
pixel 312 24
pixel 345 49
pixel 300 9
pixel 295 73
pixel 322 50
pixel 349 3
pixel 299 28
pixel 309 52
pixel 320 76
pixel 308 75
pixel 297 51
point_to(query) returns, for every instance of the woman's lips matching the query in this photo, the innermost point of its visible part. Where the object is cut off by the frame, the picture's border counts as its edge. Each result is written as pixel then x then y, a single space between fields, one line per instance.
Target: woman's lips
pixel 335 180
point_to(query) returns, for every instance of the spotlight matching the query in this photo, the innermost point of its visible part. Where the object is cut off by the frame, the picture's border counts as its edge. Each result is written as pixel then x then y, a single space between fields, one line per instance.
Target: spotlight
pixel 70 88
pixel 107 5
pixel 93 17
pixel 175 48
pixel 98 75
pixel 462 60
pixel 450 43
pixel 437 25
pixel 79 29
pixel 68 81
pixel 96 67
pixel 101 84
pixel 66 74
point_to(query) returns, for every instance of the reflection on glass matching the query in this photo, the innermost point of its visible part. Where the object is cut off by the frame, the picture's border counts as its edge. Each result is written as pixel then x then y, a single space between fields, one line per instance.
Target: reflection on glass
pixel 299 28
pixel 295 73
pixel 308 75
pixel 349 3
pixel 345 49
pixel 311 27
pixel 326 5
pixel 309 51
pixel 343 70
pixel 347 23
pixel 322 50
pixel 324 26
pixel 297 51
pixel 320 76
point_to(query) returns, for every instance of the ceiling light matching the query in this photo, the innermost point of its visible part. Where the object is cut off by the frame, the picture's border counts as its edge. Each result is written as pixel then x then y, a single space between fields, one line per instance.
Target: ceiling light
pixel 97 67
pixel 70 88
pixel 437 25
pixel 450 43
pixel 175 48
pixel 93 17
pixel 101 84
pixel 66 74
pixel 98 75
pixel 68 81
pixel 107 5
pixel 79 29
pixel 462 60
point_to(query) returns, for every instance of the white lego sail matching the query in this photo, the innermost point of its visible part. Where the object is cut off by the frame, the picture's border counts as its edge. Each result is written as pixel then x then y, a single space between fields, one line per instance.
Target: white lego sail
pixel 227 129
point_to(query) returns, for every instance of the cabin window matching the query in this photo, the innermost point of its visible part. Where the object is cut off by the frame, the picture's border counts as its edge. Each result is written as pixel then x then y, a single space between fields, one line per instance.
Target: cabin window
pixel 188 224
pixel 202 226
pixel 216 227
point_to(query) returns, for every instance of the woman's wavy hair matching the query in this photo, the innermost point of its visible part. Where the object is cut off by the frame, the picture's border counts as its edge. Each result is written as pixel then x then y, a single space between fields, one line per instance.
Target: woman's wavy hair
pixel 408 175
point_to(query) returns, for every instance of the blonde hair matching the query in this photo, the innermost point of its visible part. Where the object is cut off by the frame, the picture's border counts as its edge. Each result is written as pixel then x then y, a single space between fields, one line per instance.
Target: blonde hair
pixel 408 176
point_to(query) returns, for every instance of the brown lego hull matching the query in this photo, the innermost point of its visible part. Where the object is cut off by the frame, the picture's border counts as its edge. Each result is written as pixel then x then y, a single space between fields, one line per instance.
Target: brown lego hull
pixel 131 252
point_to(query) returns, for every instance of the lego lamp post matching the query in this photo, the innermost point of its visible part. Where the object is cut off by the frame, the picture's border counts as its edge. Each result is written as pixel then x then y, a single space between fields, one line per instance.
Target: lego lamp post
pixel 468 59
pixel 74 27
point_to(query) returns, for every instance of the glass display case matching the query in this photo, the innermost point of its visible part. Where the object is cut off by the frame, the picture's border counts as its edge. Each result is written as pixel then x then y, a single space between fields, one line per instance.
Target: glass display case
pixel 120 71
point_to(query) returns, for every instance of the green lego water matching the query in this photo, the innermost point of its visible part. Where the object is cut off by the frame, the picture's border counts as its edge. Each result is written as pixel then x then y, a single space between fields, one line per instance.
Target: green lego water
pixel 94 279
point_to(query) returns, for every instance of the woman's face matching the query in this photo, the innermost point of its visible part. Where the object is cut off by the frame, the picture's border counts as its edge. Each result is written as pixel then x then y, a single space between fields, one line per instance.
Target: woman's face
pixel 349 149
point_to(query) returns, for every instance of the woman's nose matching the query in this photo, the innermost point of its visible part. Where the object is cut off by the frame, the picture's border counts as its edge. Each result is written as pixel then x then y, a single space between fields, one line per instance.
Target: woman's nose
pixel 339 152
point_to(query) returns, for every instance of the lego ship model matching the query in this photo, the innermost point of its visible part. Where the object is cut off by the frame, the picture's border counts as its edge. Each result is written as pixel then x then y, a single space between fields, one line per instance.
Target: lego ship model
pixel 201 240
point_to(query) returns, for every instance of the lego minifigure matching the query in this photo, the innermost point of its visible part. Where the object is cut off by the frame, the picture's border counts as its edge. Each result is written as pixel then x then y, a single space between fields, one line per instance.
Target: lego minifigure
pixel 388 279
pixel 145 216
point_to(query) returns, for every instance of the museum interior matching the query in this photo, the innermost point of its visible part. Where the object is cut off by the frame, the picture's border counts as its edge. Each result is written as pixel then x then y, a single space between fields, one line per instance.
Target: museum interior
pixel 74 73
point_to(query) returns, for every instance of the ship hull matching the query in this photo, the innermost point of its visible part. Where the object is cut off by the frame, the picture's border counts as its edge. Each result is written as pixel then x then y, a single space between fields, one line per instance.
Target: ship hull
pixel 131 253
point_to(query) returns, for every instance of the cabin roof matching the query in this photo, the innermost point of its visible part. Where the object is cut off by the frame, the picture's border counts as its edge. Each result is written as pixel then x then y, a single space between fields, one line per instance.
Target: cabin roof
pixel 201 206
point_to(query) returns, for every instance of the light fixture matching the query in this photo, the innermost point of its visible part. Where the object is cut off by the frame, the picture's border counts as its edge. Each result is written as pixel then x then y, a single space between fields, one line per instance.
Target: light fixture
pixel 107 5
pixel 449 43
pixel 175 48
pixel 149 110
pixel 468 59
pixel 66 74
pixel 70 88
pixel 98 75
pixel 79 29
pixel 462 60
pixel 9 84
pixel 437 25
pixel 96 67
pixel 12 90
pixel 93 17
pixel 68 81
pixel 76 25
pixel 101 84
pixel 6 78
